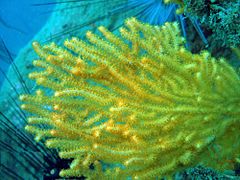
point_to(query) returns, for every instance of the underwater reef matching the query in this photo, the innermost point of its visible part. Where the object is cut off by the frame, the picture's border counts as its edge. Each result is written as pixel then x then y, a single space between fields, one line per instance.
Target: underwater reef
pixel 137 105
pixel 220 22
pixel 22 158
pixel 222 18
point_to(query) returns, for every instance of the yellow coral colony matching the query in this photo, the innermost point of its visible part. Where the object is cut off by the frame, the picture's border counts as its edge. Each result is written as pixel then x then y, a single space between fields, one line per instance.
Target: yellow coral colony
pixel 140 104
pixel 180 10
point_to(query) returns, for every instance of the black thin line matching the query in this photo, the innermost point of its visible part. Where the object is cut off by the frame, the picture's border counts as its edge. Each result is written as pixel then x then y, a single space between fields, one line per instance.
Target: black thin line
pixel 72 7
pixel 4 74
pixel 20 78
pixel 19 109
pixel 50 156
pixel 54 3
pixel 10 172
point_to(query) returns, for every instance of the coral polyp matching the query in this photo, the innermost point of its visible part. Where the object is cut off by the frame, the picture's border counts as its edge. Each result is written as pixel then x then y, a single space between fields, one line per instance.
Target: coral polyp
pixel 137 105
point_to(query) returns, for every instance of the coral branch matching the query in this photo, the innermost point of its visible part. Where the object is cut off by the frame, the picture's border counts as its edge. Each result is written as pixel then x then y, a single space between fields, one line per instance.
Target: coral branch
pixel 140 105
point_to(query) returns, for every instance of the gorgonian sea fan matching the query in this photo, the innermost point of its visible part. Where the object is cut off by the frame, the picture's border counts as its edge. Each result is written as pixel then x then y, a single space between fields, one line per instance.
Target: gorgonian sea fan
pixel 140 105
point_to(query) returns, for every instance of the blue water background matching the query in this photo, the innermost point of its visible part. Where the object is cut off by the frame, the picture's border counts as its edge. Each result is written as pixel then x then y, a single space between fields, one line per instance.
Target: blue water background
pixel 20 20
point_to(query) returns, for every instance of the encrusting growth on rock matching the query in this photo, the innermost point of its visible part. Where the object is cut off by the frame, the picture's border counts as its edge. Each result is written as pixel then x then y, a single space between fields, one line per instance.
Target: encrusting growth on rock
pixel 139 105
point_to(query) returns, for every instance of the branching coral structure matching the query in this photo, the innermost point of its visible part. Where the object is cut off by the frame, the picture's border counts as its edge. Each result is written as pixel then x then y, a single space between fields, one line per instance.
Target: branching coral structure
pixel 139 105
pixel 221 17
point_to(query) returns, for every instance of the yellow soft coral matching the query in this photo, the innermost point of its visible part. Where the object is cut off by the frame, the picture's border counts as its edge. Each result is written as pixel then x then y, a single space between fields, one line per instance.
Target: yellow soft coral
pixel 140 105
pixel 180 10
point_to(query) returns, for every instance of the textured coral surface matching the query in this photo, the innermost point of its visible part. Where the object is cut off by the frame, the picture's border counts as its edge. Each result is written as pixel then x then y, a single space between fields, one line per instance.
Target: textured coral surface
pixel 220 18
pixel 137 105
